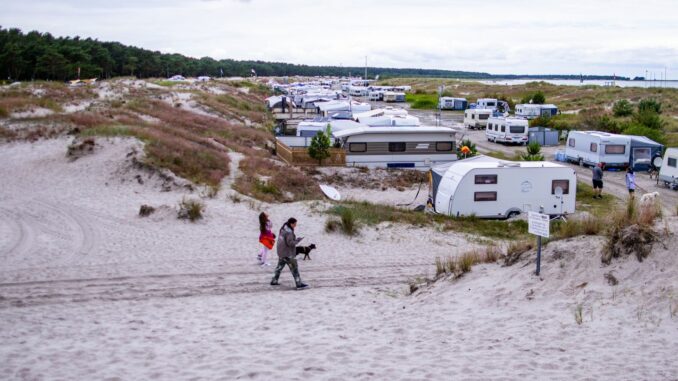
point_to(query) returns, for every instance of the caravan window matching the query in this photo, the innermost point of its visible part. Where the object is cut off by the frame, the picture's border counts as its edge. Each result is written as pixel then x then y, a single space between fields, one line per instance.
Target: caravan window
pixel 485 196
pixel 491 104
pixel 563 184
pixel 594 147
pixel 397 147
pixel 672 162
pixel 570 142
pixel 444 146
pixel 483 116
pixel 503 128
pixel 473 116
pixel 489 126
pixel 486 179
pixel 615 149
pixel 357 147
pixel 517 129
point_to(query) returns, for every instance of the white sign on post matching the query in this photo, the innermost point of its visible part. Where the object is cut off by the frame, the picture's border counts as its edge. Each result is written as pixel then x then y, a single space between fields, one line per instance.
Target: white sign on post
pixel 538 224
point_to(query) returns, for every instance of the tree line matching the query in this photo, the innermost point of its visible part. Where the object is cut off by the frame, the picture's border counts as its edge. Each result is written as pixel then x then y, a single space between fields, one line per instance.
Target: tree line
pixel 41 56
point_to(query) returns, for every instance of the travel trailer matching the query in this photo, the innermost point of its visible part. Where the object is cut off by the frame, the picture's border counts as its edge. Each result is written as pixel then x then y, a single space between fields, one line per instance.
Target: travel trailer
pixel 491 188
pixel 668 172
pixel 476 118
pixel 508 130
pixel 398 147
pixel 450 103
pixel 390 120
pixel 310 128
pixel 616 151
pixel 531 111
pixel 488 103
pixel 358 91
pixel 391 96
pixel 376 95
pixel 328 108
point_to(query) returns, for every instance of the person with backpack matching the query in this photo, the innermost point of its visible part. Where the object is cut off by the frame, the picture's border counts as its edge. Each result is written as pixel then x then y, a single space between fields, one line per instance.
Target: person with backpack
pixel 287 251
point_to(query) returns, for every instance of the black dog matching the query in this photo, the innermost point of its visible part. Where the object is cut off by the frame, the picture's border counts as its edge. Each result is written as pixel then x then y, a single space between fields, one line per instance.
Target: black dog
pixel 306 250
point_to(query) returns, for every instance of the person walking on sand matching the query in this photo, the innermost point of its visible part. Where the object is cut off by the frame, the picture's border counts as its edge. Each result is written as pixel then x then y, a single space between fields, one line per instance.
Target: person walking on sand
pixel 287 250
pixel 266 238
pixel 631 182
pixel 598 180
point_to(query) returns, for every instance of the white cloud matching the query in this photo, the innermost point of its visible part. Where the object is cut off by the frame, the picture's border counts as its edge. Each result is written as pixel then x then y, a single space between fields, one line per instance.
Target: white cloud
pixel 596 37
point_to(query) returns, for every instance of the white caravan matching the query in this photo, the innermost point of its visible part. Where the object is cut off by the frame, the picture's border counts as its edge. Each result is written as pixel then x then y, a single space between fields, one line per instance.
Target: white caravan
pixel 668 173
pixel 476 118
pixel 398 147
pixel 490 103
pixel 593 147
pixel 331 107
pixel 310 128
pixel 491 188
pixel 358 91
pixel 501 129
pixel 391 96
pixel 531 111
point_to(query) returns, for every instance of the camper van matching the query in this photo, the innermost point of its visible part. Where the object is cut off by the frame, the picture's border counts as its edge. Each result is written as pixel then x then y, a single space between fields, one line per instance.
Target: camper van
pixel 531 111
pixel 449 103
pixel 668 173
pixel 391 96
pixel 398 147
pixel 476 118
pixel 507 130
pixel 491 188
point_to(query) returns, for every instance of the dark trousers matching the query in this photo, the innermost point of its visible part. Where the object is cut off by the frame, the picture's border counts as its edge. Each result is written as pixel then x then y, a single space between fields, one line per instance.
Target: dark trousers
pixel 294 268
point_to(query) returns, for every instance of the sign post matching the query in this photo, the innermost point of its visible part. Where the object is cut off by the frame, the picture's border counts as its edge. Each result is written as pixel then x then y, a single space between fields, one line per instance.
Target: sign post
pixel 539 225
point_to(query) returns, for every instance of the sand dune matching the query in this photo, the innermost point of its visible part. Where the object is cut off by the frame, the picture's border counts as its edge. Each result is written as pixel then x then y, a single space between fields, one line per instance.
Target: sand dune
pixel 89 290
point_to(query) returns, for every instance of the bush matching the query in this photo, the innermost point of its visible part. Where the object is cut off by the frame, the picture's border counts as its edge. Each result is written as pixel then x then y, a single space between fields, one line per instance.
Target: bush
pixel 539 98
pixel 320 145
pixel 640 130
pixel 622 108
pixel 651 105
pixel 191 209
pixel 533 152
pixel 471 146
pixel 346 223
pixel 649 119
pixel 146 210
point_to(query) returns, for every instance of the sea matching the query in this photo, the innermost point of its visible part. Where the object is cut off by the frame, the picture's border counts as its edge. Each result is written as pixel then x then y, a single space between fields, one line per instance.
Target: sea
pixel 575 82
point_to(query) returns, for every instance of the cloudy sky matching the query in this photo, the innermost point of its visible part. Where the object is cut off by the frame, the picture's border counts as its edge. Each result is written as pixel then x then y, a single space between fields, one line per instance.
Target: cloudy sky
pixel 626 37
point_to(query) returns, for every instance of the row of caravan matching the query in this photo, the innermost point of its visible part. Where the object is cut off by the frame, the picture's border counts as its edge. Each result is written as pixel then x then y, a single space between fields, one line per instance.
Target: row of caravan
pixel 589 148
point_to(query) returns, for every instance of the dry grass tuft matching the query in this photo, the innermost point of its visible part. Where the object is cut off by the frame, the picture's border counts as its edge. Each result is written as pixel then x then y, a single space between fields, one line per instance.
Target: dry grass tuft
pixel 516 249
pixel 271 181
pixel 146 210
pixel 191 209
pixel 632 232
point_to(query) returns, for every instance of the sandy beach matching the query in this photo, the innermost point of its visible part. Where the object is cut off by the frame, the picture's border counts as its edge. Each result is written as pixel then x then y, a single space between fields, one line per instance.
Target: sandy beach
pixel 89 290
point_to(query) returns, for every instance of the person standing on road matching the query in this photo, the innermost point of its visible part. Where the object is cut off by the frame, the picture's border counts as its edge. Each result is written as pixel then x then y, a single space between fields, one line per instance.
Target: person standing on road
pixel 287 251
pixel 631 181
pixel 598 180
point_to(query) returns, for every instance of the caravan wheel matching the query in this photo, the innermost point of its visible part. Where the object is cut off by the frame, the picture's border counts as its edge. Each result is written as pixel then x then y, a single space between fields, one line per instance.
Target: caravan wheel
pixel 512 214
pixel 581 162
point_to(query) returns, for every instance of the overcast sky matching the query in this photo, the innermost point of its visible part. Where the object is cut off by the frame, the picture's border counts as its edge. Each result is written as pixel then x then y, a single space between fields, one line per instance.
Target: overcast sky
pixel 625 37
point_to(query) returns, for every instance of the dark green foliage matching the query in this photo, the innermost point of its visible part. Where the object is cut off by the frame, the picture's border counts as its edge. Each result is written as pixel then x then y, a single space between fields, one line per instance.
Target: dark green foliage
pixel 539 98
pixel 650 119
pixel 650 104
pixel 468 143
pixel 320 145
pixel 640 130
pixel 533 152
pixel 35 55
pixel 622 108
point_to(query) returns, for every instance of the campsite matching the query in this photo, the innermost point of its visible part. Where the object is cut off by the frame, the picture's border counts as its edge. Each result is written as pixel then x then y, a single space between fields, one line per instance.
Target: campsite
pixel 222 195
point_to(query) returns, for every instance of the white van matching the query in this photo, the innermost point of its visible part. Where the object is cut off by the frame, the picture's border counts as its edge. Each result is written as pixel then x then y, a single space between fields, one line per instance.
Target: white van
pixel 476 118
pixel 668 173
pixel 501 129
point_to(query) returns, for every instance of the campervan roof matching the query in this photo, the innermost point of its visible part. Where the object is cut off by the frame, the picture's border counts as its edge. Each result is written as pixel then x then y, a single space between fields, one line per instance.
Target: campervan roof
pixel 390 130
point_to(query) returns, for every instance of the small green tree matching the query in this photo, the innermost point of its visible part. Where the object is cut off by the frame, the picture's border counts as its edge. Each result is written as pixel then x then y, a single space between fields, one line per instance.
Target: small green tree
pixel 320 145
pixel 622 108
pixel 539 98
pixel 641 130
pixel 650 119
pixel 533 153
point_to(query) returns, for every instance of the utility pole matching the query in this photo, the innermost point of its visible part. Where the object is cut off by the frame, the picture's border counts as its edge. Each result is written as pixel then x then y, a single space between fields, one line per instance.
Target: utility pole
pixel 366 68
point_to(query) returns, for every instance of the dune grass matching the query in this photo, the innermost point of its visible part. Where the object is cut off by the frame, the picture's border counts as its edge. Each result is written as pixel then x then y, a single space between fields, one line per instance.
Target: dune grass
pixel 372 214
pixel 422 101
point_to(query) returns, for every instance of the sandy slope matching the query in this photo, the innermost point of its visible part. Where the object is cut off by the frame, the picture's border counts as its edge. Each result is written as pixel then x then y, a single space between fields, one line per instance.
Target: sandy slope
pixel 88 290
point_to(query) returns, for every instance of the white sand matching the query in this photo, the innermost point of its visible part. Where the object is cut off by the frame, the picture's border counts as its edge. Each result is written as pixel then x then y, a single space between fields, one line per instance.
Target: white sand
pixel 88 290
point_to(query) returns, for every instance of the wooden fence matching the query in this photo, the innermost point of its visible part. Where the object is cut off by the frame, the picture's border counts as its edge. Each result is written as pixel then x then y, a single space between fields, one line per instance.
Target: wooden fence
pixel 299 156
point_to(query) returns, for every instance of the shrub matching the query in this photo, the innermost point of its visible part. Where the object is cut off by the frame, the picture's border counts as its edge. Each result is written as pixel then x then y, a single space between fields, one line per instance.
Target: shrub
pixel 650 104
pixel 191 209
pixel 539 98
pixel 146 210
pixel 349 224
pixel 471 146
pixel 641 130
pixel 533 152
pixel 649 119
pixel 622 108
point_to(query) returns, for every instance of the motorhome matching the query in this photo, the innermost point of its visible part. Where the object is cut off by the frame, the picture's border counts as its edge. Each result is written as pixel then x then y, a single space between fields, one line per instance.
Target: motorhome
pixel 668 172
pixel 358 91
pixel 450 103
pixel 476 118
pixel 391 96
pixel 531 111
pixel 491 188
pixel 507 130
pixel 616 151
pixel 398 147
